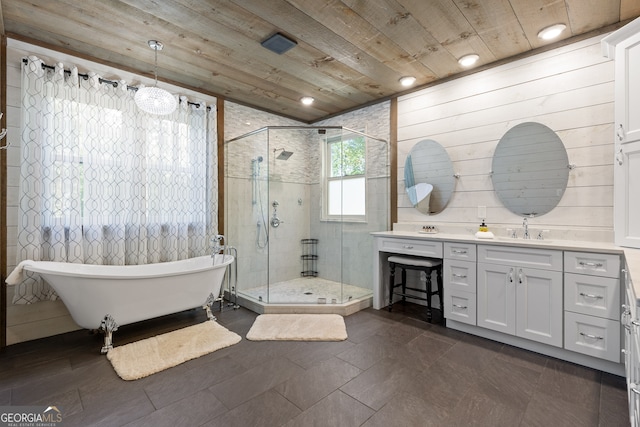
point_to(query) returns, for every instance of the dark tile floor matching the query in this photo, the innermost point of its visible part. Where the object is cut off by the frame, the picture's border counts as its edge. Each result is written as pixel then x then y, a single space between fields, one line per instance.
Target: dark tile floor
pixel 394 370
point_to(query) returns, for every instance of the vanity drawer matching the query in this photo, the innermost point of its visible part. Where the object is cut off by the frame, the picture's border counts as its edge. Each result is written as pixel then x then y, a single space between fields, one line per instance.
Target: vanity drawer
pixel 426 248
pixel 544 259
pixel 593 336
pixel 592 295
pixel 460 306
pixel 462 251
pixel 459 275
pixel 605 265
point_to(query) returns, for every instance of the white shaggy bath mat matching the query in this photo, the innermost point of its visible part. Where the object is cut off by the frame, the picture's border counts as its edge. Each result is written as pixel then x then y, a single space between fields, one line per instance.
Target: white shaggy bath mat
pixel 298 327
pixel 149 356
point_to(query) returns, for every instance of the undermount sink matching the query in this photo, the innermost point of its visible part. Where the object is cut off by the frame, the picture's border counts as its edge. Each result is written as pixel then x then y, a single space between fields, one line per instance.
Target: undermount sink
pixel 519 240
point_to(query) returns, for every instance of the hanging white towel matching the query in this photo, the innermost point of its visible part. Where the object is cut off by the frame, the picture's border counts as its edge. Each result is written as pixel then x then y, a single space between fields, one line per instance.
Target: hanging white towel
pixel 17 275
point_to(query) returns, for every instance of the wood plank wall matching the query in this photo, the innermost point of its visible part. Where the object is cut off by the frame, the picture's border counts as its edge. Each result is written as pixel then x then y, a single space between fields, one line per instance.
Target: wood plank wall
pixel 569 89
pixel 3 196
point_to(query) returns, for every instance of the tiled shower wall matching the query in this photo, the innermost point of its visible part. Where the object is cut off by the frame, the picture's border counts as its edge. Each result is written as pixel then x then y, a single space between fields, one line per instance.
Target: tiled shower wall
pixel 357 243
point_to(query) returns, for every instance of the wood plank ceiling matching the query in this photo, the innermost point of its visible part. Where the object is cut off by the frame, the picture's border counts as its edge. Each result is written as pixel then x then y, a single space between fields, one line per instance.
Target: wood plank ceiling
pixel 349 53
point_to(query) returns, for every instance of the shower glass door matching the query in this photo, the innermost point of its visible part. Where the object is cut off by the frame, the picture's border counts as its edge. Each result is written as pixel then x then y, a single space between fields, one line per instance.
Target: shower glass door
pixel 247 211
pixel 301 203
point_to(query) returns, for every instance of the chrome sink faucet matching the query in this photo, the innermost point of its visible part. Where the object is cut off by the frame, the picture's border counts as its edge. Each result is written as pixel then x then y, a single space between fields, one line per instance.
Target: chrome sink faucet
pixel 525 224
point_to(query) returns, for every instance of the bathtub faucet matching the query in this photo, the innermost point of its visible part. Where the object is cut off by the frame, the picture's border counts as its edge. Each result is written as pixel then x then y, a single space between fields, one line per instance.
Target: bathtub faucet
pixel 216 247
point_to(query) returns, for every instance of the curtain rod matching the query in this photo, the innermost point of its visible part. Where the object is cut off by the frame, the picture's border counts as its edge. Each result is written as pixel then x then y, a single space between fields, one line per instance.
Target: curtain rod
pixel 101 80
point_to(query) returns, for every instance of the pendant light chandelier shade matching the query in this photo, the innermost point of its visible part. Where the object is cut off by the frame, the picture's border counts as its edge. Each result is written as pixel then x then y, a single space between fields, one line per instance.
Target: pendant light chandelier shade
pixel 152 99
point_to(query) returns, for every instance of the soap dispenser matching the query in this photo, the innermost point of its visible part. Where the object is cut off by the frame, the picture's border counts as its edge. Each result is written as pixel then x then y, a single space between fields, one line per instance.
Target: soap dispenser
pixel 483 231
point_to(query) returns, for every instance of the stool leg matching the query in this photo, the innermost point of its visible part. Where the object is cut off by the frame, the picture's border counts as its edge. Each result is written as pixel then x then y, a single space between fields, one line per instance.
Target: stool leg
pixel 392 281
pixel 429 294
pixel 404 285
pixel 440 292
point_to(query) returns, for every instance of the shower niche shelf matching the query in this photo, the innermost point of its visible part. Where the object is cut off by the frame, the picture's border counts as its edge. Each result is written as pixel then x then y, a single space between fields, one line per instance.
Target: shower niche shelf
pixel 309 257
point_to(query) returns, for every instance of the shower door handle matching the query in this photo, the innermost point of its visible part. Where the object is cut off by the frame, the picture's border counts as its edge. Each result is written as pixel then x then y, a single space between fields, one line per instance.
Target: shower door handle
pixel 275 222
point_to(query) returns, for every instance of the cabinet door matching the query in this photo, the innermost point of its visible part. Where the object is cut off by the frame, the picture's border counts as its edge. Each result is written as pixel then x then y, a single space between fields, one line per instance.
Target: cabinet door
pixel 539 305
pixel 627 107
pixel 626 203
pixel 496 297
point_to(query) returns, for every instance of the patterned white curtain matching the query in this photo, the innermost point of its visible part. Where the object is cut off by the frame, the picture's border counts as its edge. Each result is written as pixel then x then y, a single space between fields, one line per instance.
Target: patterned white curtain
pixel 102 182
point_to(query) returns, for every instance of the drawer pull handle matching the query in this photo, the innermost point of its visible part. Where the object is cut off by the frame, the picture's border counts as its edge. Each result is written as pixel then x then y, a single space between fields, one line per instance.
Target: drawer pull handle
pixel 460 306
pixel 461 276
pixel 591 264
pixel 407 247
pixel 593 337
pixel 458 251
pixel 582 294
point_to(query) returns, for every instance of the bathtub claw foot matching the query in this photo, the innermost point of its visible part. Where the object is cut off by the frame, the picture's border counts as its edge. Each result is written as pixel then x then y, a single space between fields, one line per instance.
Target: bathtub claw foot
pixel 108 326
pixel 208 304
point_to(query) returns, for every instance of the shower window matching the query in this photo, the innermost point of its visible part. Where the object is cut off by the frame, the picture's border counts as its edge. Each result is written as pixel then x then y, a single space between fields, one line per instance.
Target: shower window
pixel 345 183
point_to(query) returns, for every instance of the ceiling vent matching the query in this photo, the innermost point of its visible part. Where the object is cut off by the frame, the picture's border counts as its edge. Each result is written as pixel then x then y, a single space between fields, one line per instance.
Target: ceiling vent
pixel 278 43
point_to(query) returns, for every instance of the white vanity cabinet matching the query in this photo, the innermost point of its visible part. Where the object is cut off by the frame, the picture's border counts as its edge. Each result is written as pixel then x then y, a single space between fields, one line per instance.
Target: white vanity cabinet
pixel 631 352
pixel 459 282
pixel 557 299
pixel 626 187
pixel 592 301
pixel 624 46
pixel 519 292
pixel 626 52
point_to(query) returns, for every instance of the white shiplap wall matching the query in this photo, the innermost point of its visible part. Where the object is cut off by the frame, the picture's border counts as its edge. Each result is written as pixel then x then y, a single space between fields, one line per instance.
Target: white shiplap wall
pixel 569 89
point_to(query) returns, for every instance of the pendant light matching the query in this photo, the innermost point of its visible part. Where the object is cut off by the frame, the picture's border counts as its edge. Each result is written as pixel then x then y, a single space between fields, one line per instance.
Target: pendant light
pixel 152 99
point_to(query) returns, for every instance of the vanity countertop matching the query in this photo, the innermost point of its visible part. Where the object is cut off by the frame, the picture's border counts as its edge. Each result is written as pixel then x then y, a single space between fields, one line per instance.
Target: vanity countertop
pixel 631 255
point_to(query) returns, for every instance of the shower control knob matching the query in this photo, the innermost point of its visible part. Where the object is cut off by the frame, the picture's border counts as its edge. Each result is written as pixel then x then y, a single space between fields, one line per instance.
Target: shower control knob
pixel 275 222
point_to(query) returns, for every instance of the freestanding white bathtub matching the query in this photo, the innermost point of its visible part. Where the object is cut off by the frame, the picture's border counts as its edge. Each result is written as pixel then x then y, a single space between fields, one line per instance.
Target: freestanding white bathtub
pixel 106 296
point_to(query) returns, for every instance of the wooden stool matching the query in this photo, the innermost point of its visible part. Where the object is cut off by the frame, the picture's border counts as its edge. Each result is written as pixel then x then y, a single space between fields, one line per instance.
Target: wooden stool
pixel 428 265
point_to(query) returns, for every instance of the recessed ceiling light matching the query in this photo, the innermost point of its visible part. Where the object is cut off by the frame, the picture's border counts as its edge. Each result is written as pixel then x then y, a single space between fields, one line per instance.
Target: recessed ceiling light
pixel 307 100
pixel 468 60
pixel 551 32
pixel 407 81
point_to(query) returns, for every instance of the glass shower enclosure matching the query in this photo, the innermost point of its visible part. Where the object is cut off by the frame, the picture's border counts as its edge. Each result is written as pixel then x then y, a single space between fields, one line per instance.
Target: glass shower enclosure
pixel 300 204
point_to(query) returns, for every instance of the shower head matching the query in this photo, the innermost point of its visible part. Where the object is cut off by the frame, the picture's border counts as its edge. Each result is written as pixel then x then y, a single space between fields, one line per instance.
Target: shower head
pixel 284 155
pixel 257 159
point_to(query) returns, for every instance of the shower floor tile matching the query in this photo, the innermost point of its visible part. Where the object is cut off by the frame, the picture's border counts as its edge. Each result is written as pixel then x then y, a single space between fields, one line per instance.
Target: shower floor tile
pixel 306 290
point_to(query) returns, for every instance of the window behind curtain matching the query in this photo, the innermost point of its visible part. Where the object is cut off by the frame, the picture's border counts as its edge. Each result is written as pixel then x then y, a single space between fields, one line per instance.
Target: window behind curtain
pixel 103 182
